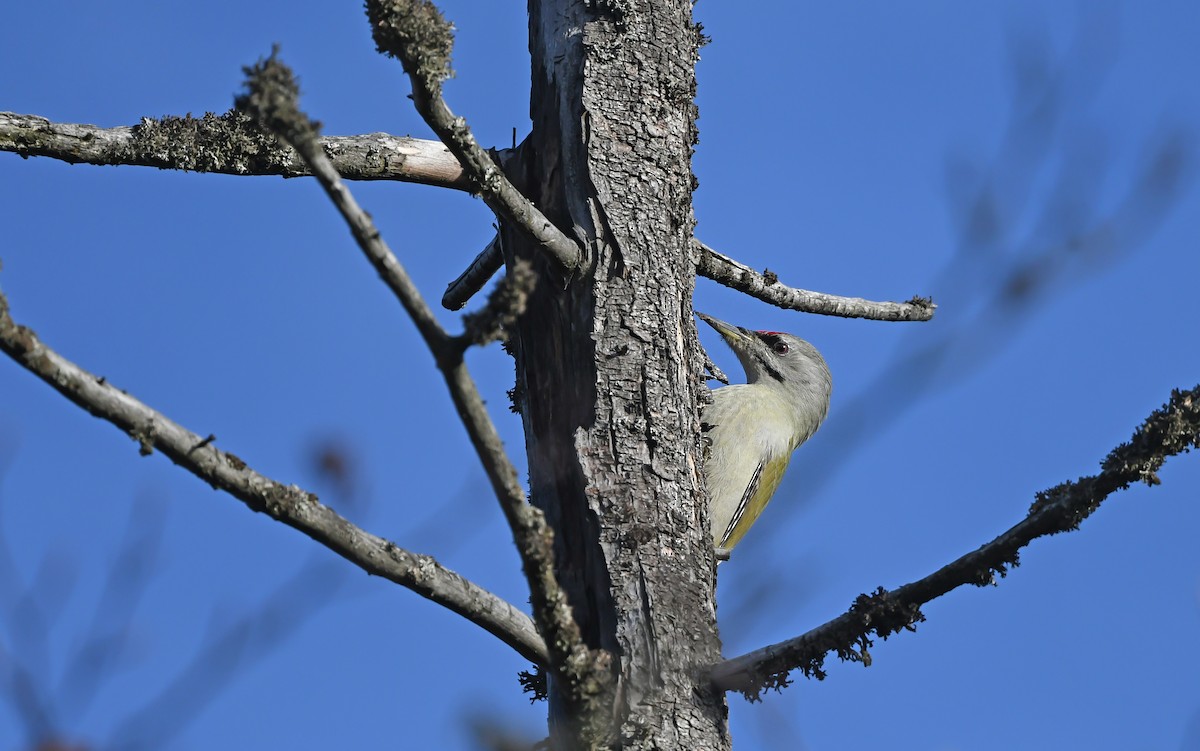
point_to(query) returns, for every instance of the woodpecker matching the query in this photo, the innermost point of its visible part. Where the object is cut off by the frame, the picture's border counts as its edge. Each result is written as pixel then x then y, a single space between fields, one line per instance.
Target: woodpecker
pixel 752 428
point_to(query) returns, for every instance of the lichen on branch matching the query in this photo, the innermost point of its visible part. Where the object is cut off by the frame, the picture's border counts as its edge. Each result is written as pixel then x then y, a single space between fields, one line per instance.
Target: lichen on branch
pixel 1172 429
pixel 272 97
pixel 415 33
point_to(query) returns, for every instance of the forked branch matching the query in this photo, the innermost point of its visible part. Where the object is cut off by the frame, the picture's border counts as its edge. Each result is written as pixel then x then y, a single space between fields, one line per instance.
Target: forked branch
pixel 414 32
pixel 272 99
pixel 229 144
pixel 1170 430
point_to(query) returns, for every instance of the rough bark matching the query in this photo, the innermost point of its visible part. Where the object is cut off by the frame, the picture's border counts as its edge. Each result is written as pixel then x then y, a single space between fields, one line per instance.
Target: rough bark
pixel 607 360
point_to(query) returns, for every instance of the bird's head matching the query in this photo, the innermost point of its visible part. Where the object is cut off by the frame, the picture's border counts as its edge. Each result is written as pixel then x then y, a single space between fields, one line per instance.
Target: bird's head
pixel 776 359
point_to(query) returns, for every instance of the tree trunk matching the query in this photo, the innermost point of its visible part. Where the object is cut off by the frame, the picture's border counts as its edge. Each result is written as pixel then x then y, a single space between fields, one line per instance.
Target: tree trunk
pixel 607 363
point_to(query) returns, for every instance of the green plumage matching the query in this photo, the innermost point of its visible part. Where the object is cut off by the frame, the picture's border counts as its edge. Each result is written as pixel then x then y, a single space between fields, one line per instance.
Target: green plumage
pixel 751 429
pixel 763 485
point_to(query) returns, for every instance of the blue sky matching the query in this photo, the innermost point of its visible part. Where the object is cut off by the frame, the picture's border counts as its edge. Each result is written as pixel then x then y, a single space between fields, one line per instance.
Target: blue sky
pixel 841 146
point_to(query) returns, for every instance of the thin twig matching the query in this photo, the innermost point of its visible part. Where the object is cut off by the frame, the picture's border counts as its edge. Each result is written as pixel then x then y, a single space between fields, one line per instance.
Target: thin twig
pixel 228 144
pixel 272 98
pixel 766 287
pixel 285 503
pixel 1170 430
pixel 414 32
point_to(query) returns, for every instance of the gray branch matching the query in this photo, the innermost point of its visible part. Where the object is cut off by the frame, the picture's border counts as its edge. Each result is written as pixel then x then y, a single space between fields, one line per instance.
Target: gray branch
pixel 228 144
pixel 766 287
pixel 272 98
pixel 285 503
pixel 1170 430
pixel 724 270
pixel 414 32
pixel 231 144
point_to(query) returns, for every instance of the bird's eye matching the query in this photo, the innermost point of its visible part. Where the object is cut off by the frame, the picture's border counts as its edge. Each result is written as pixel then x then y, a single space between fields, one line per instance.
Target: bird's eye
pixel 780 347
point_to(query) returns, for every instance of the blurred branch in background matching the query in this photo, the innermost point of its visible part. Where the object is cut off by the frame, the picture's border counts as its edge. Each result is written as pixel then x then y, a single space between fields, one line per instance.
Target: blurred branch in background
pixel 336 464
pixel 229 651
pixel 1191 733
pixel 25 611
pixel 53 708
pixel 103 650
pixel 1031 222
pixel 493 733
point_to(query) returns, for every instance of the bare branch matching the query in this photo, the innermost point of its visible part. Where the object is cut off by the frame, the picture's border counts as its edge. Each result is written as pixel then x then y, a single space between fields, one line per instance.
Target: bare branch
pixel 1170 430
pixel 766 287
pixel 469 282
pixel 228 144
pixel 272 98
pixel 724 270
pixel 414 32
pixel 288 504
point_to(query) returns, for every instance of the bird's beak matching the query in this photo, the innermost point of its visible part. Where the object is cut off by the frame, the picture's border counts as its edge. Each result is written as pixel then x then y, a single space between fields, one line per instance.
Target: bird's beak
pixel 736 336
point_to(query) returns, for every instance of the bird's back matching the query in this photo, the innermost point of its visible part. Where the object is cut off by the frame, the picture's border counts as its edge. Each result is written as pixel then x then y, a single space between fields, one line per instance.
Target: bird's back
pixel 752 424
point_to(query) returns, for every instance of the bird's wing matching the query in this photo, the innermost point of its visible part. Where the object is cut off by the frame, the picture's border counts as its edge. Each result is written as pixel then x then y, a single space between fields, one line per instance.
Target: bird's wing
pixel 759 490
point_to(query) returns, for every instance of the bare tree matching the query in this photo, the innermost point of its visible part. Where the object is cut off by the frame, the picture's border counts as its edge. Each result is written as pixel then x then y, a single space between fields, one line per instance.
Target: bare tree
pixel 597 244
